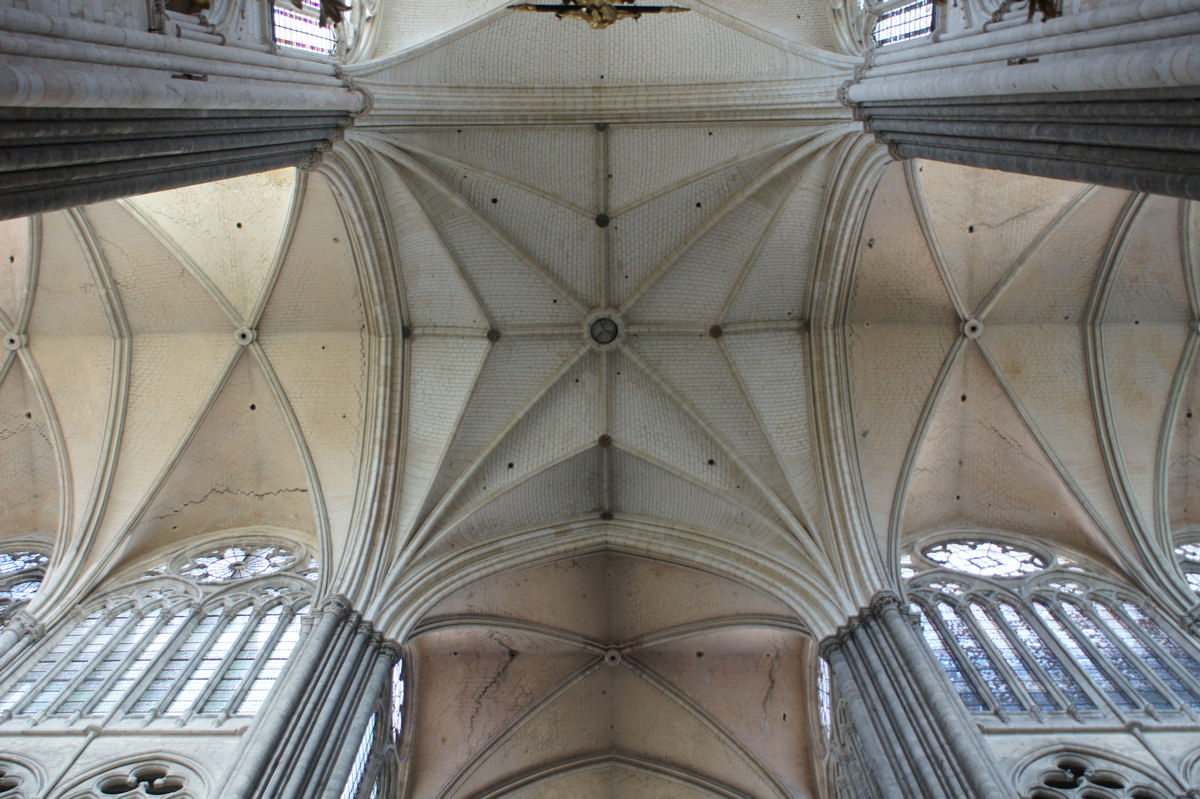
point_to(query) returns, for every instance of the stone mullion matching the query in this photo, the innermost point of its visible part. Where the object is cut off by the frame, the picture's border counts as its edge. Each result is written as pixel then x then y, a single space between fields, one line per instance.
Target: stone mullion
pixel 195 614
pixel 193 662
pixel 1099 660
pixel 285 619
pixel 1191 680
pixel 164 618
pixel 211 685
pixel 970 672
pixel 998 660
pixel 1031 662
pixel 1136 660
pixel 1099 696
pixel 103 618
pixel 135 616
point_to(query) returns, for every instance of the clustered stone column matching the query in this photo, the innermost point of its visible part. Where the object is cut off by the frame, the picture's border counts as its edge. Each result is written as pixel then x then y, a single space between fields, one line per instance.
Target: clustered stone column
pixel 916 737
pixel 303 743
pixel 1109 96
pixel 92 112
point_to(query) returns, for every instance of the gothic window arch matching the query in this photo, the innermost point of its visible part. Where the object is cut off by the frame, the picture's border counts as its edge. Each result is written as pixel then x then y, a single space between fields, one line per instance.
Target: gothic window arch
pixel 21 574
pixel 146 775
pixel 1018 632
pixel 166 647
pixel 1087 774
pixel 1188 553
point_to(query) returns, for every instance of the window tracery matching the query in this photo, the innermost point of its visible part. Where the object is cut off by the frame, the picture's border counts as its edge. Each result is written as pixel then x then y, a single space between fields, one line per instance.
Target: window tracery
pixel 1189 560
pixel 985 558
pixel 21 575
pixel 250 556
pixel 170 647
pixel 1075 775
pixel 1016 635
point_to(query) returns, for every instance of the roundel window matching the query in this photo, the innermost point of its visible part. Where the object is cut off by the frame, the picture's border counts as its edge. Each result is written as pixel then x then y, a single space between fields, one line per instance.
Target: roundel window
pixel 237 562
pixel 986 558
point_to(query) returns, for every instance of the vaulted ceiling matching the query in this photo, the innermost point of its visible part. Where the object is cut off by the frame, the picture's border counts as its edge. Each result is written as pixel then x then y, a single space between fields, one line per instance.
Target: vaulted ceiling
pixel 610 560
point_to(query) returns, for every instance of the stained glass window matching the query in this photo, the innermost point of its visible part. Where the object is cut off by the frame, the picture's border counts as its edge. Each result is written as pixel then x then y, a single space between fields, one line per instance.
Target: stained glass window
pixel 950 664
pixel 1044 657
pixel 1030 681
pixel 20 577
pixel 216 663
pixel 397 697
pixel 237 563
pixel 985 558
pixel 907 22
pixel 1092 668
pixel 824 697
pixel 1189 556
pixel 300 29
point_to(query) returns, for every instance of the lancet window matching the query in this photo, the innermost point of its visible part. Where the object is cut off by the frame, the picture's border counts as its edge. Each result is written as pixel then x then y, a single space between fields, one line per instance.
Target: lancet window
pixel 169 646
pixel 1017 632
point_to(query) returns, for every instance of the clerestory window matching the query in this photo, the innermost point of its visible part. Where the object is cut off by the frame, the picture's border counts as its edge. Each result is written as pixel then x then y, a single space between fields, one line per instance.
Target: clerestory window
pixel 903 22
pixel 1014 634
pixel 169 648
pixel 299 27
pixel 21 575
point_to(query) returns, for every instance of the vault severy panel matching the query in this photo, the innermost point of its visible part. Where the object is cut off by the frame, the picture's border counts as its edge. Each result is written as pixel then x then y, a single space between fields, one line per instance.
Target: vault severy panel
pixel 29 466
pixel 979 466
pixel 982 220
pixel 658 49
pixel 229 230
pixel 404 27
pixel 16 258
pixel 233 472
pixel 530 704
pixel 1029 257
pixel 536 394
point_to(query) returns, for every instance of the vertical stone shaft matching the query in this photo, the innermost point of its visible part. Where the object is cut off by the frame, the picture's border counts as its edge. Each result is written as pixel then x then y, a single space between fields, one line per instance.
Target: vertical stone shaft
pixel 1110 96
pixel 323 701
pixel 915 733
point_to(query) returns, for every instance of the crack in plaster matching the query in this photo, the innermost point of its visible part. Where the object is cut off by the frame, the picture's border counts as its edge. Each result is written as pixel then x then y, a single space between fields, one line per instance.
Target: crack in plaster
pixel 215 491
pixel 511 655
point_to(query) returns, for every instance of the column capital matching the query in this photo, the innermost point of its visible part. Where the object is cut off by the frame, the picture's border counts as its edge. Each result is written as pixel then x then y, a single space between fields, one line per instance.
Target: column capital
pixel 336 605
pixel 879 605
pixel 25 625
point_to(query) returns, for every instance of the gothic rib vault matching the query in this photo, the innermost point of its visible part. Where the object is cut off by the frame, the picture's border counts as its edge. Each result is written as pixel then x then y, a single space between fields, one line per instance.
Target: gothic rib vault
pixel 611 563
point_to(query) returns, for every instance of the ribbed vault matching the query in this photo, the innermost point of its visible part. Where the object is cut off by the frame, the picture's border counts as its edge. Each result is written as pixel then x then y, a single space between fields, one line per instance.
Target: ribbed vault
pixel 611 675
pixel 179 372
pixel 1021 349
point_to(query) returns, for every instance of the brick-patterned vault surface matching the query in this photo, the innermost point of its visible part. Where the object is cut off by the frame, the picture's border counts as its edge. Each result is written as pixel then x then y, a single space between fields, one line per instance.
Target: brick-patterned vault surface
pixel 693 422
